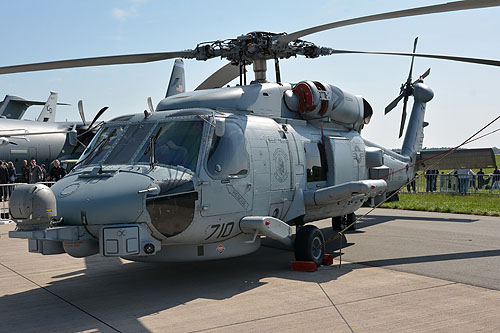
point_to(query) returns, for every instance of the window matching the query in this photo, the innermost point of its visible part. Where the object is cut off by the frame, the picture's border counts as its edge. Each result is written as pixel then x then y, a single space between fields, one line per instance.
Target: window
pixel 95 153
pixel 128 143
pixel 228 155
pixel 316 162
pixel 177 144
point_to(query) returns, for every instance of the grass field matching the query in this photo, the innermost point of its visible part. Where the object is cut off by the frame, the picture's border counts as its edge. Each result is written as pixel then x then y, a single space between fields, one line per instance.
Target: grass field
pixel 475 204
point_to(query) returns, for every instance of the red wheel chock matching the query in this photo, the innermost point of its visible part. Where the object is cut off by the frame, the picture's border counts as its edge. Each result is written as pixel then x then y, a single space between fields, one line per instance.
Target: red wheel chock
pixel 310 266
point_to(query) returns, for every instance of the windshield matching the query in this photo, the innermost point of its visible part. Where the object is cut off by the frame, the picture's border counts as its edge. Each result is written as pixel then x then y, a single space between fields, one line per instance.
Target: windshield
pixel 176 143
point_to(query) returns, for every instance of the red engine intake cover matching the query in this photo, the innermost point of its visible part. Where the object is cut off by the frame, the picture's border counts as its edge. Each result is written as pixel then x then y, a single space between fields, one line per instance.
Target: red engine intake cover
pixel 306 103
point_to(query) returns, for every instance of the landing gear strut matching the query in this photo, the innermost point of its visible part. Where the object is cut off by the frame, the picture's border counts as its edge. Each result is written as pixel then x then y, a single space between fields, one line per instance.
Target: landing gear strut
pixel 309 244
pixel 340 222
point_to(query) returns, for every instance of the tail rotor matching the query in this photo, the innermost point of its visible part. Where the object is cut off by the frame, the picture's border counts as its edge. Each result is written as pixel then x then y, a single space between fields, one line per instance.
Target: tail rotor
pixel 406 91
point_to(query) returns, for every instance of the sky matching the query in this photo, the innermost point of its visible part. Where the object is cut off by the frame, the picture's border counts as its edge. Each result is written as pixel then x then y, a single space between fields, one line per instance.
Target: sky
pixel 465 94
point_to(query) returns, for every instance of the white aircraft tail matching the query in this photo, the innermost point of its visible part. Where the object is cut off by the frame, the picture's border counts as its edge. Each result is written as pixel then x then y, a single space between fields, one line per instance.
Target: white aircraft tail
pixel 48 113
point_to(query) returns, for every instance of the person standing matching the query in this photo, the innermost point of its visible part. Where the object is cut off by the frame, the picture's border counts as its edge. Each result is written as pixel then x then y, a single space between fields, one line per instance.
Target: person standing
pixel 428 180
pixel 12 176
pixel 464 180
pixel 44 173
pixel 4 180
pixel 36 173
pixel 26 172
pixel 480 179
pixel 57 172
pixel 496 179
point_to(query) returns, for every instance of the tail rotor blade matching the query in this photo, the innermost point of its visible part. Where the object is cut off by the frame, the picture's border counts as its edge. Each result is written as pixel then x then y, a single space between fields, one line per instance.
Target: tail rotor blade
pixel 427 72
pixel 412 59
pixel 393 104
pixel 403 116
pixel 80 110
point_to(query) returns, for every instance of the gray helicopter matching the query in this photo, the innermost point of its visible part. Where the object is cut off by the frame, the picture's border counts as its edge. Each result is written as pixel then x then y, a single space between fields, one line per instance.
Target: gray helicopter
pixel 208 173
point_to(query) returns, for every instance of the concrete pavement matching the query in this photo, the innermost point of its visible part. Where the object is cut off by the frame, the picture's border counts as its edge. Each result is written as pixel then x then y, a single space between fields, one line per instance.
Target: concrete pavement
pixel 257 292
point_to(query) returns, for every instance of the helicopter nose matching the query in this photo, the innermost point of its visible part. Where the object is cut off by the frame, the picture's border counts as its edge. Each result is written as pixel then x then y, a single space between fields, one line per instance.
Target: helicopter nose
pixel 106 198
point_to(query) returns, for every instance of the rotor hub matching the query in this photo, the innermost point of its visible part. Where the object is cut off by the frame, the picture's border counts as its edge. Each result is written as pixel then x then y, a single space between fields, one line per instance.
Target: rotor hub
pixel 257 45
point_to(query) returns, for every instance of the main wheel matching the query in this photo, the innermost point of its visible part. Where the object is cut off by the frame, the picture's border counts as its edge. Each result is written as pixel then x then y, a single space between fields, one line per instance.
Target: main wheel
pixel 309 244
pixel 339 222
pixel 351 218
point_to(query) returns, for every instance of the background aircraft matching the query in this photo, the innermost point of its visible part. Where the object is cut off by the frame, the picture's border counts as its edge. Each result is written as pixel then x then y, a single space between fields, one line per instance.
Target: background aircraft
pixel 14 107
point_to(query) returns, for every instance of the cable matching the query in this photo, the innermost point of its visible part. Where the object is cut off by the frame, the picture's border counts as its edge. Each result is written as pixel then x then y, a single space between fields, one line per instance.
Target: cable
pixel 444 153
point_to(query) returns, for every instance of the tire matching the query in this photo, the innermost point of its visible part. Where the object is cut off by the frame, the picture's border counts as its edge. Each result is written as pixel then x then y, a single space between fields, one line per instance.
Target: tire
pixel 339 222
pixel 310 245
pixel 351 218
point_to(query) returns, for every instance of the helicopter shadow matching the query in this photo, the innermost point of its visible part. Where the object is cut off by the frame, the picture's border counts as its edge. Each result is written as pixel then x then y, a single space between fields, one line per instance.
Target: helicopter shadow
pixel 117 294
pixel 374 219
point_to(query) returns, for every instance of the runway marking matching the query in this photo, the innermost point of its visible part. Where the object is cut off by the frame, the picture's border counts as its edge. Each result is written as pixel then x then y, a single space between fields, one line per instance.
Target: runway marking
pixel 60 297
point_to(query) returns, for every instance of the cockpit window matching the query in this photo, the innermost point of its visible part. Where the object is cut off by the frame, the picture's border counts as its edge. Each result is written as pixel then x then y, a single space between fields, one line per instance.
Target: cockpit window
pixel 176 144
pixel 102 145
pixel 228 155
pixel 128 144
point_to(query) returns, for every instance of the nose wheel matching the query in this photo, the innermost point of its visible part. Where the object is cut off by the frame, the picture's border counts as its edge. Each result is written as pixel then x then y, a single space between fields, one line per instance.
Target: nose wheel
pixel 309 244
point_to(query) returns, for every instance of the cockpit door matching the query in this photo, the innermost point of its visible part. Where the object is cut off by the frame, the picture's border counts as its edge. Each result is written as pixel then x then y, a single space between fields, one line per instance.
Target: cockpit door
pixel 227 177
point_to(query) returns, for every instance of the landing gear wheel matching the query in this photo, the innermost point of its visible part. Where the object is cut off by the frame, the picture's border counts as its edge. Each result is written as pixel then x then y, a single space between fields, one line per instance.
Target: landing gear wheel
pixel 310 244
pixel 351 218
pixel 340 222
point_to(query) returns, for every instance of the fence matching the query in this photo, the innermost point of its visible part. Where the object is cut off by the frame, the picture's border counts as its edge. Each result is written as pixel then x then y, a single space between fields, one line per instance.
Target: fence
pixel 5 192
pixel 450 183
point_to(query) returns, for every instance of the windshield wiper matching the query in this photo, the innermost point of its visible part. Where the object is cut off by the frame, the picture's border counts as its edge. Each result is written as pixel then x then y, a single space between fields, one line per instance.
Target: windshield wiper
pixel 100 144
pixel 151 147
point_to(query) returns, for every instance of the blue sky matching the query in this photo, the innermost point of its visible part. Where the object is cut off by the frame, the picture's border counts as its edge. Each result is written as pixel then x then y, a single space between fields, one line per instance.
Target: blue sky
pixel 465 94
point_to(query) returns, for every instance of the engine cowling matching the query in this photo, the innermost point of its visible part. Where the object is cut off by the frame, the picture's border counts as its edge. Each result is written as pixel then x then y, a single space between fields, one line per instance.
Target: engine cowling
pixel 315 100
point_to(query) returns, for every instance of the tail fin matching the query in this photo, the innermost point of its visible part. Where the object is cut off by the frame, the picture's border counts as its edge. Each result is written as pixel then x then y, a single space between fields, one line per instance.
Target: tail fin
pixel 13 107
pixel 414 137
pixel 48 113
pixel 177 82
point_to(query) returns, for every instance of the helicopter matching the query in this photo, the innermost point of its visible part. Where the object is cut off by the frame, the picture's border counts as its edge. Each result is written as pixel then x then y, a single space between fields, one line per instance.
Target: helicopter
pixel 207 173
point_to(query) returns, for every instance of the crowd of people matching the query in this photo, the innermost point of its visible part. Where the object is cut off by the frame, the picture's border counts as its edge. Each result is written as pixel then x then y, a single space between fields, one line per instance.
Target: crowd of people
pixel 31 173
pixel 459 180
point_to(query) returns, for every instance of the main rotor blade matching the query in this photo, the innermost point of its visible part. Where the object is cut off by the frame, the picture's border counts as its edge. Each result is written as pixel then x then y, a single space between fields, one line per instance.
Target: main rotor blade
pixel 96 61
pixel 221 77
pixel 490 62
pixel 446 7
pixel 394 103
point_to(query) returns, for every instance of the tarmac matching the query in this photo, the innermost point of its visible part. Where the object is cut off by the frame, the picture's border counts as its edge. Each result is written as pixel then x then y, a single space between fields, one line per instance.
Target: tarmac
pixel 257 292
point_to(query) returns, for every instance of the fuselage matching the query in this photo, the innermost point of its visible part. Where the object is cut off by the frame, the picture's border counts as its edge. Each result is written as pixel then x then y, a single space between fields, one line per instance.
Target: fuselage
pixel 183 185
pixel 25 146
